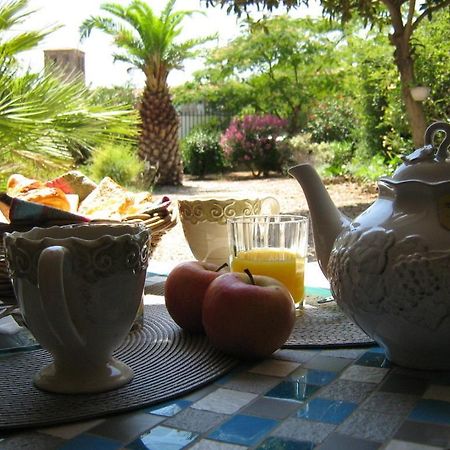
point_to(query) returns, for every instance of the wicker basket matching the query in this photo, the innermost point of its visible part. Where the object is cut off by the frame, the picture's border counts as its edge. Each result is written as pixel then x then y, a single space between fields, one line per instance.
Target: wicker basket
pixel 158 221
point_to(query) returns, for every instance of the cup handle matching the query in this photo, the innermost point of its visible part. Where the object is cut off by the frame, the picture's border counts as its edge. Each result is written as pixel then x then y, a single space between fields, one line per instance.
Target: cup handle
pixel 53 298
pixel 272 205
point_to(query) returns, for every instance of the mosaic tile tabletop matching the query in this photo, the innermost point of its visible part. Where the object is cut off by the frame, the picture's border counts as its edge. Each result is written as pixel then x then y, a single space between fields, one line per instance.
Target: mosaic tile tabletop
pixel 341 399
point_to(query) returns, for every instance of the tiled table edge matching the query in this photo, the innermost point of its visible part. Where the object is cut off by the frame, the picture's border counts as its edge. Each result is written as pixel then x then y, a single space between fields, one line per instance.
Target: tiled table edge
pixel 298 399
pixel 328 399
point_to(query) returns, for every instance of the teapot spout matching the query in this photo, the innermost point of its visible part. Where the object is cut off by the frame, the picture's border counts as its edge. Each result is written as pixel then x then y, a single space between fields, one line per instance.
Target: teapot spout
pixel 327 221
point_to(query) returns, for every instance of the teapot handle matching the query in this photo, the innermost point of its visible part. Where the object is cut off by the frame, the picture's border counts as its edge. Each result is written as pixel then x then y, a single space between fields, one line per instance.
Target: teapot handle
pixel 430 132
pixel 53 298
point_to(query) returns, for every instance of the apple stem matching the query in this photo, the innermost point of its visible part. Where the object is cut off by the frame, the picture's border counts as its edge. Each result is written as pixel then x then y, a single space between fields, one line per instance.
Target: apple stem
pixel 247 271
pixel 221 267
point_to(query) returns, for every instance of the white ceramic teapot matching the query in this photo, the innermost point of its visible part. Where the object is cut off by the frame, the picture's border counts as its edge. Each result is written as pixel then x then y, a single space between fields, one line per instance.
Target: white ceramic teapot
pixel 389 269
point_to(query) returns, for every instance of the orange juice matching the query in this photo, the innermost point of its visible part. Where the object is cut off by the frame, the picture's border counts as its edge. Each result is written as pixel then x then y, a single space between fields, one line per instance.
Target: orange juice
pixel 284 265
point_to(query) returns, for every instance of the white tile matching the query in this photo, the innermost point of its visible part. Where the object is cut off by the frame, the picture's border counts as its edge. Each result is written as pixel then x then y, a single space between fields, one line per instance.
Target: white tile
pixel 71 430
pixel 364 374
pixel 206 444
pixel 403 445
pixel 438 392
pixel 225 401
pixel 275 367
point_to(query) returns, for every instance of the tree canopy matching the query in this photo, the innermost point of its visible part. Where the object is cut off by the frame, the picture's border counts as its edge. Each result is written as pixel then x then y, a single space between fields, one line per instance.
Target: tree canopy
pixel 402 16
pixel 275 66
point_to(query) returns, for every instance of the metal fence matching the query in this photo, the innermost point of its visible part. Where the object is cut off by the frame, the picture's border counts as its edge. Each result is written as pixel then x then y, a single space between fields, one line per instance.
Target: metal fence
pixel 190 118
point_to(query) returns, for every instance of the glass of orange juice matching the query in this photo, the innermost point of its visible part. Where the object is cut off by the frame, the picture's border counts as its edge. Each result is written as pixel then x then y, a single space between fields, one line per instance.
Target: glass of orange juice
pixel 271 245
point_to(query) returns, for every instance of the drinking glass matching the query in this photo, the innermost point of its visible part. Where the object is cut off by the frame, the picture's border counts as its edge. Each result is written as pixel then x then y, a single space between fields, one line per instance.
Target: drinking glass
pixel 271 245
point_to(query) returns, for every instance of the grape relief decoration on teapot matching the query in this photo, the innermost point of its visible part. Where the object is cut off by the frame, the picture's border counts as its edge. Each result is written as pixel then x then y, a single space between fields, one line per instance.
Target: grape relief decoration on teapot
pixel 384 269
pixel 389 269
pixel 378 274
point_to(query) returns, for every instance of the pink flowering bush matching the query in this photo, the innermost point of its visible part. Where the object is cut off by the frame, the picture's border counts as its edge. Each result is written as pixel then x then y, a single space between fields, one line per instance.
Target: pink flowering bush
pixel 256 142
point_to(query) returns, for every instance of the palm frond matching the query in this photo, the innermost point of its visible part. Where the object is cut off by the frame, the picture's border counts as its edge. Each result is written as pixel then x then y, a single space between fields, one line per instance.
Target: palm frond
pixel 135 62
pixel 105 24
pixel 46 121
pixel 167 11
pixel 147 40
pixel 12 13
pixel 40 115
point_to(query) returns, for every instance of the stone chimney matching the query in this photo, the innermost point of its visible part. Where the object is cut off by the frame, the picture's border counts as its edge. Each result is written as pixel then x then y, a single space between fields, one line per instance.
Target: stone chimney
pixel 69 61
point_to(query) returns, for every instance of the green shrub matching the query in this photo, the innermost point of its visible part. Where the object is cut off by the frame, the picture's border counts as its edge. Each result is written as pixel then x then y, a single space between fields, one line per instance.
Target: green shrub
pixel 202 153
pixel 395 145
pixel 369 170
pixel 121 163
pixel 331 120
pixel 339 155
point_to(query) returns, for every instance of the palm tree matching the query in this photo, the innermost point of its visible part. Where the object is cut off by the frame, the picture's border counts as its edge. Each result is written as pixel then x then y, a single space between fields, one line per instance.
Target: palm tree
pixel 147 42
pixel 46 123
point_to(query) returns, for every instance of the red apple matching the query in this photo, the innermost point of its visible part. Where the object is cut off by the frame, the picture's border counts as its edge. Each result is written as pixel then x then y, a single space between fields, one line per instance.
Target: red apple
pixel 248 316
pixel 184 291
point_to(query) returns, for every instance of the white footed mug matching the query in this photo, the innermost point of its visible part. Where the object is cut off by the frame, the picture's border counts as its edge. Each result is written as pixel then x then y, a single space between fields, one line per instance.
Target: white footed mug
pixel 204 222
pixel 79 288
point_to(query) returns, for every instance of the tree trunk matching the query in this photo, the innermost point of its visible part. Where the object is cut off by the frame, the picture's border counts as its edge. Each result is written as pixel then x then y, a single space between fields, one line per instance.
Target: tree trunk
pixel 158 139
pixel 400 39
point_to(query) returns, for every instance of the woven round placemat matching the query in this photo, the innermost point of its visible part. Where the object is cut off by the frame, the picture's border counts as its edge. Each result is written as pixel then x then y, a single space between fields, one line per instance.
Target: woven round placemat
pixel 324 325
pixel 166 363
pixel 318 325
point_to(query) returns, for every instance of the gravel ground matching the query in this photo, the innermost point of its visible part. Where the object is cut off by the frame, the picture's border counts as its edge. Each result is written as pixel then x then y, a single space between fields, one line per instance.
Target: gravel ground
pixel 351 198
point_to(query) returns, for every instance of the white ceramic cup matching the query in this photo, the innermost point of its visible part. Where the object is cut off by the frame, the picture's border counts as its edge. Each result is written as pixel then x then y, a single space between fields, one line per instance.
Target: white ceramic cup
pixel 204 222
pixel 79 288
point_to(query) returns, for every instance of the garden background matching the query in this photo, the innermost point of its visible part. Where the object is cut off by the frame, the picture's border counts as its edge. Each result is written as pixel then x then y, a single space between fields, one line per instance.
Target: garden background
pixel 332 91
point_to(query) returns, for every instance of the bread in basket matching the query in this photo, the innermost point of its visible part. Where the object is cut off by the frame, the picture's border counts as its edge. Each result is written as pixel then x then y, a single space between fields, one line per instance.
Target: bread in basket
pixel 28 203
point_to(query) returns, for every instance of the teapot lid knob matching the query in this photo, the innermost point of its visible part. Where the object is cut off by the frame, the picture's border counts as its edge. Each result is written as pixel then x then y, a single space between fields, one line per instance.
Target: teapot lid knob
pixel 430 132
pixel 427 163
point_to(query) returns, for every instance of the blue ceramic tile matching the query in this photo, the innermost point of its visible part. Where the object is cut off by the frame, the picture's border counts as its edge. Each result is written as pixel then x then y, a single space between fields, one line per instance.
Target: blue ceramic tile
pixel 87 442
pixel 434 411
pixel 169 409
pixel 277 443
pixel 292 390
pixel 318 377
pixel 163 438
pixel 374 359
pixel 244 430
pixel 271 408
pixel 377 349
pixel 320 292
pixel 329 411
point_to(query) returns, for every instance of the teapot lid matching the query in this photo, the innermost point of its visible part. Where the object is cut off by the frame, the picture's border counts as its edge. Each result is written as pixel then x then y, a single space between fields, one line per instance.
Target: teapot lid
pixel 428 163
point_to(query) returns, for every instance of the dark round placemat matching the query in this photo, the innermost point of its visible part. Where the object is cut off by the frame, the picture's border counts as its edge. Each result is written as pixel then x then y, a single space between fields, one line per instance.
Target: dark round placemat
pixel 318 325
pixel 324 325
pixel 166 363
